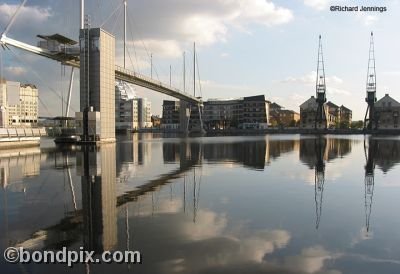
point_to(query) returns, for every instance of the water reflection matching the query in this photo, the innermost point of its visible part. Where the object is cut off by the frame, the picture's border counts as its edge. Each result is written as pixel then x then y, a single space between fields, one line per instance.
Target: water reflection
pixel 16 164
pixel 186 216
pixel 97 168
pixel 370 147
pixel 315 152
pixel 254 154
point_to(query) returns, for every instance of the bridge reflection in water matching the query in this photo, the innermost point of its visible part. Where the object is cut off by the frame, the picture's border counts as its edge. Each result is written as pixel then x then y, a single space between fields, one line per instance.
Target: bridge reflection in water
pixel 91 209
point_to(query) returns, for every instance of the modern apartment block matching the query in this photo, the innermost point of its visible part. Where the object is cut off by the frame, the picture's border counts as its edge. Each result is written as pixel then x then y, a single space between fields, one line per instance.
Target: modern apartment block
pixel 246 113
pixel 144 112
pixel 126 107
pixel 255 112
pixel 170 115
pixel 223 113
pixel 97 85
pixel 18 104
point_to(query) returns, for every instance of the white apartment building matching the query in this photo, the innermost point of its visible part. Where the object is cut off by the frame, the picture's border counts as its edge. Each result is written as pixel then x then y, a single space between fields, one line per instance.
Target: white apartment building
pixel 126 107
pixel 19 104
pixel 144 113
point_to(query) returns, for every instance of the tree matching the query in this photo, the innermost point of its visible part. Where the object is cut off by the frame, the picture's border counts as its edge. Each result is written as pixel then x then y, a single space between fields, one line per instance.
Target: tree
pixel 344 125
pixel 292 123
pixel 357 124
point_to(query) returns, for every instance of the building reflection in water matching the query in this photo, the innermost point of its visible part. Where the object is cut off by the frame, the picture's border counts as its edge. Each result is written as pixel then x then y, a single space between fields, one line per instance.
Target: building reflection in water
pixel 315 152
pixel 387 153
pixel 253 154
pixel 97 168
pixel 16 164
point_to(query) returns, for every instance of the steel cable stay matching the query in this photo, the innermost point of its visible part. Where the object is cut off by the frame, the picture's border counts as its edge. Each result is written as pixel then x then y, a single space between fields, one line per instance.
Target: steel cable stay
pixel 43 82
pixel 149 55
pixel 118 8
pixel 26 80
pixel 38 76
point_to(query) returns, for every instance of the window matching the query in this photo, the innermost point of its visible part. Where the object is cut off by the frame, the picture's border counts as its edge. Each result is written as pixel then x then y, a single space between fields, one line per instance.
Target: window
pixel 82 44
pixel 95 45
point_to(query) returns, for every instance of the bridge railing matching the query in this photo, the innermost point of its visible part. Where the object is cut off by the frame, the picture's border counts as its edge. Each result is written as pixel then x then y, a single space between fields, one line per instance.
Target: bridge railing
pixel 152 81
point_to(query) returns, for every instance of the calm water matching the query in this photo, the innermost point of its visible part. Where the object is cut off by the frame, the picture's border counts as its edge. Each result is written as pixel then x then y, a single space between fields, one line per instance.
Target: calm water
pixel 265 204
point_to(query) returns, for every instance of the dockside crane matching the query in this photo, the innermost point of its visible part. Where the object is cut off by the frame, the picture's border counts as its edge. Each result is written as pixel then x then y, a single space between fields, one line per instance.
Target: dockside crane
pixel 370 119
pixel 320 115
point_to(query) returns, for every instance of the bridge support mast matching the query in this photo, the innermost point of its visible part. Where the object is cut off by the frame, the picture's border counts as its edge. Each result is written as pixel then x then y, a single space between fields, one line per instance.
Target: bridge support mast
pixel 96 121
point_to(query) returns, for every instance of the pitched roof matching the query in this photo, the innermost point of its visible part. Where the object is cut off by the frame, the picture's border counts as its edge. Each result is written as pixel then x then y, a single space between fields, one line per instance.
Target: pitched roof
pixel 384 102
pixel 275 105
pixel 330 104
pixel 310 103
pixel 288 111
pixel 344 108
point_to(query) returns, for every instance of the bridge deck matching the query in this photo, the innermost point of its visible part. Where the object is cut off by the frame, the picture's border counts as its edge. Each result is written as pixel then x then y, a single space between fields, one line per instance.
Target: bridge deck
pixel 147 82
pixel 120 73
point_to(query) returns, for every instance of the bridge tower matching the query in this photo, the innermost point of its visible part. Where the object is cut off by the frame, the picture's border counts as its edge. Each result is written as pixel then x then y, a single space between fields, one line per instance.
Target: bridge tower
pixel 96 119
pixel 320 116
pixel 370 119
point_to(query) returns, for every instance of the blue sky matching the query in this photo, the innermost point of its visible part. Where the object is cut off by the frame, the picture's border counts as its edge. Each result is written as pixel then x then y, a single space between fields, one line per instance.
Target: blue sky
pixel 245 47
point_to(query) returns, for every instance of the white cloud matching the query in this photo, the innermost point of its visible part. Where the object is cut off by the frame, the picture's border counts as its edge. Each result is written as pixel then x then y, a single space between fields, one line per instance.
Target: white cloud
pixel 370 19
pixel 15 70
pixel 310 79
pixel 208 224
pixel 263 12
pixel 338 91
pixel 310 260
pixel 28 15
pixel 208 28
pixel 392 72
pixel 207 21
pixel 317 4
pixel 161 48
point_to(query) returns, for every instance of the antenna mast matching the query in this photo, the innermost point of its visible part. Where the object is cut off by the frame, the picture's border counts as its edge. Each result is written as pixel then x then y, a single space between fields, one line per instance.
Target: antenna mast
pixel 371 87
pixel 320 89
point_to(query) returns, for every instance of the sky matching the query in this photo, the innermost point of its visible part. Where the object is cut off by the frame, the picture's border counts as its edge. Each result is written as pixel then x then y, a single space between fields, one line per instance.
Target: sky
pixel 244 47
